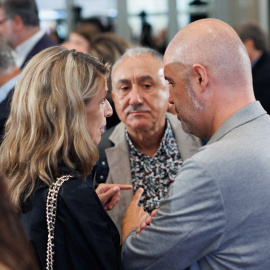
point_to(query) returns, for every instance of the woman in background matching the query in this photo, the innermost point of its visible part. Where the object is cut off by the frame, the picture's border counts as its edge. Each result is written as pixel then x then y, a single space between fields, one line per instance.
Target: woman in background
pixel 58 114
pixel 81 37
pixel 108 47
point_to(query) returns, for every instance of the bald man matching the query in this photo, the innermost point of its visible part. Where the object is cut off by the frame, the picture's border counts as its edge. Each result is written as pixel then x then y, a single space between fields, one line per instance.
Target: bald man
pixel 216 214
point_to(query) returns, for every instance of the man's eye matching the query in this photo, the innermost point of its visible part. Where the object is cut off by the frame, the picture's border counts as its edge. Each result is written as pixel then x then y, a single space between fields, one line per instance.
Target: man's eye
pixel 147 85
pixel 124 88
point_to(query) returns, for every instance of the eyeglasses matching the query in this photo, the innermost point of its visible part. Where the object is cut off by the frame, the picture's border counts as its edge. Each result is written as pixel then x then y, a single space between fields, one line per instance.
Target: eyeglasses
pixel 4 20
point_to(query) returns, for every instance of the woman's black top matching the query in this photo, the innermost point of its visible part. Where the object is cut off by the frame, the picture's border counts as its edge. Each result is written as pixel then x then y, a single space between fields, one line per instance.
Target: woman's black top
pixel 85 236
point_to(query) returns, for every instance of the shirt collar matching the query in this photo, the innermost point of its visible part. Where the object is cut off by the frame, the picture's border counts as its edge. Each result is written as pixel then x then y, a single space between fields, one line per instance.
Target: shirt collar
pixel 25 48
pixel 242 116
pixel 6 88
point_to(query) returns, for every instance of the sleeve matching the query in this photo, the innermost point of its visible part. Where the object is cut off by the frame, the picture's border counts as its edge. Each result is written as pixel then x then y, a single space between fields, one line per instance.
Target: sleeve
pixel 86 236
pixel 189 224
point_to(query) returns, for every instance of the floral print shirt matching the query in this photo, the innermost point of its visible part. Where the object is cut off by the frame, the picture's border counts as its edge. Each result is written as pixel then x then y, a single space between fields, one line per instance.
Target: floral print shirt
pixel 155 174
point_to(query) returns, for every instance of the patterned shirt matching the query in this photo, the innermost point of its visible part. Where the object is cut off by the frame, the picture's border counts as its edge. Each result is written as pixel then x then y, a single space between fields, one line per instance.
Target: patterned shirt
pixel 154 174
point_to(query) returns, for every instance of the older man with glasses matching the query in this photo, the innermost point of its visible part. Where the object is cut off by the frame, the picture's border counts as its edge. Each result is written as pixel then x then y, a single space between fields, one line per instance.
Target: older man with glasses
pixel 19 24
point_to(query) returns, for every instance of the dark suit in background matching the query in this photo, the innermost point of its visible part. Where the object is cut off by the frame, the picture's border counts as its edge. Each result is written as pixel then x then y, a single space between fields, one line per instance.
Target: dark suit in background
pixel 255 41
pixel 4 112
pixel 261 80
pixel 44 43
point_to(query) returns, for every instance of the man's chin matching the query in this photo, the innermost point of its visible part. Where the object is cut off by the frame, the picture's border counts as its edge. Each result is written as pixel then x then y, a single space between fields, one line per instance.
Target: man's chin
pixel 186 127
pixel 139 125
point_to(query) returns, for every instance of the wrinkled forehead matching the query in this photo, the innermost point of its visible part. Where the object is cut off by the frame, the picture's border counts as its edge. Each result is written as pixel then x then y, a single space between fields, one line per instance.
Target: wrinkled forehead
pixel 138 66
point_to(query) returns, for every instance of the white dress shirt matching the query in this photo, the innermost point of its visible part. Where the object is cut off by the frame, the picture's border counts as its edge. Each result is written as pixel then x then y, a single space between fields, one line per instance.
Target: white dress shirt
pixel 6 88
pixel 24 48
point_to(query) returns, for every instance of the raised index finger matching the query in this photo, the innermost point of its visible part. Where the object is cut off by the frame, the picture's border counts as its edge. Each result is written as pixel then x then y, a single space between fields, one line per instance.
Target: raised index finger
pixel 137 196
pixel 124 187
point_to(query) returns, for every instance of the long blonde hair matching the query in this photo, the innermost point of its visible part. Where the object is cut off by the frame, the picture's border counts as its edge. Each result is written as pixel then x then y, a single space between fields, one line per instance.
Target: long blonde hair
pixel 47 123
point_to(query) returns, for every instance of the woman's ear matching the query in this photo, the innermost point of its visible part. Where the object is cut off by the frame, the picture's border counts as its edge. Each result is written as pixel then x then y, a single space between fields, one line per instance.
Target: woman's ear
pixel 200 74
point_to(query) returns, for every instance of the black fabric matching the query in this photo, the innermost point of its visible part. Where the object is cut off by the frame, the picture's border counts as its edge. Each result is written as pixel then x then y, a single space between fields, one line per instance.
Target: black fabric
pixel 44 43
pixel 261 80
pixel 4 113
pixel 85 236
pixel 102 167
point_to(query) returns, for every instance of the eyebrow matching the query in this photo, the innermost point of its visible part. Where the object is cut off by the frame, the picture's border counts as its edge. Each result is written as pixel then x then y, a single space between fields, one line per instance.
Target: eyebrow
pixel 139 79
pixel 144 78
pixel 104 94
pixel 123 81
pixel 168 78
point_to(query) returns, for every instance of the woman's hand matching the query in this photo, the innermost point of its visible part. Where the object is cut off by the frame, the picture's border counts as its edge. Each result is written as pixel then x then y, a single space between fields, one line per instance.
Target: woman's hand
pixel 147 221
pixel 109 194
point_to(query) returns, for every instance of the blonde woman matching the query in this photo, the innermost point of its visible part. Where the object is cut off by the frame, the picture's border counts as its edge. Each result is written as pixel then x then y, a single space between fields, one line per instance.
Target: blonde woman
pixel 58 114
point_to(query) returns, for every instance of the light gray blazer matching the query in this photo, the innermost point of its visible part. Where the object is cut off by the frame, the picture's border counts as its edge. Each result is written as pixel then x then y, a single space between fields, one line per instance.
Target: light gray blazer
pixel 119 162
pixel 216 213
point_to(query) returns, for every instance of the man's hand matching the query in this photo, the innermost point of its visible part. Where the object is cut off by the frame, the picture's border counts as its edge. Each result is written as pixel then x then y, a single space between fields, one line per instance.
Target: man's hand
pixel 109 194
pixel 147 221
pixel 134 215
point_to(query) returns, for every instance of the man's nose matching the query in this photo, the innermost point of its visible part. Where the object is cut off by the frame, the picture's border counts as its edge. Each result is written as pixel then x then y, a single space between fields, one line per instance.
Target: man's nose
pixel 171 98
pixel 135 96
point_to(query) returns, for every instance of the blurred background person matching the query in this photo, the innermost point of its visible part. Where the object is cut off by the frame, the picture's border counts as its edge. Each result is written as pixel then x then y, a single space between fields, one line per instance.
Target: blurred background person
pixel 58 114
pixel 20 26
pixel 81 37
pixel 15 250
pixel 255 41
pixel 108 47
pixel 9 74
pixel 146 39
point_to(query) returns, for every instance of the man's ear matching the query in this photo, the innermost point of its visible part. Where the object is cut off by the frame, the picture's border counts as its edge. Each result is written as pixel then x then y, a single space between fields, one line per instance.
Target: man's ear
pixel 201 77
pixel 18 23
pixel 251 50
pixel 249 44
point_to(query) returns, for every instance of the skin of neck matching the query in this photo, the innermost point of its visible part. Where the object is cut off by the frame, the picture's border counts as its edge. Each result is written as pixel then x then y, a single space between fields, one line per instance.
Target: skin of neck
pixel 146 141
pixel 11 73
pixel 225 107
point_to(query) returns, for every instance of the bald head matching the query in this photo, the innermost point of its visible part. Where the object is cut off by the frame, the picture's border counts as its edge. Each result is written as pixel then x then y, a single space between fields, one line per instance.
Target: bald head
pixel 209 71
pixel 215 45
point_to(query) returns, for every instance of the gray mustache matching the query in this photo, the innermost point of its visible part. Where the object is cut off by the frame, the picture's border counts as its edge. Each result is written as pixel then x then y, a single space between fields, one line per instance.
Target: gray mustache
pixel 139 107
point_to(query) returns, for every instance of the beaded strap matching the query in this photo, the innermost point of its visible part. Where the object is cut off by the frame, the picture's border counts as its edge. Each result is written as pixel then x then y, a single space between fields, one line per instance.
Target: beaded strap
pixel 51 207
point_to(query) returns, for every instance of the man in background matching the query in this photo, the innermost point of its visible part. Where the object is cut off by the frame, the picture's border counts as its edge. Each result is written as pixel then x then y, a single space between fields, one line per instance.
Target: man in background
pixel 148 147
pixel 19 24
pixel 9 74
pixel 255 41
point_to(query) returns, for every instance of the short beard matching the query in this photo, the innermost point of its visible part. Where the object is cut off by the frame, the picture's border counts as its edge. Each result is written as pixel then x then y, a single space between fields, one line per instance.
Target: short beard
pixel 189 125
pixel 192 94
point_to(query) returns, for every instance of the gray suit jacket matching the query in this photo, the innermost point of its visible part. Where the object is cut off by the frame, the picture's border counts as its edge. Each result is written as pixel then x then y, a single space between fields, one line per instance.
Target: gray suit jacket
pixel 119 163
pixel 216 213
